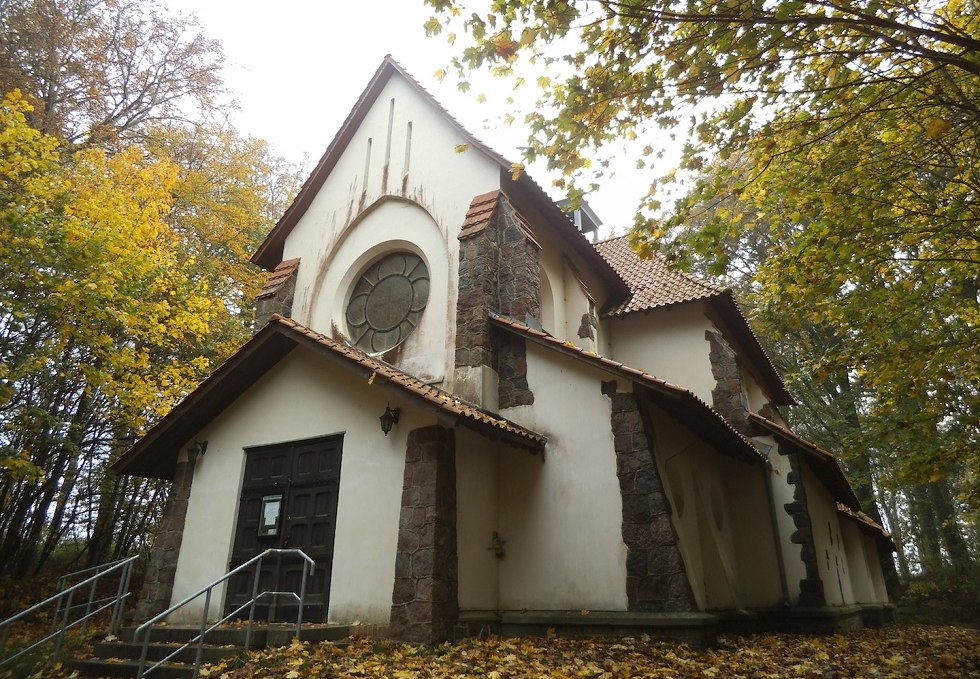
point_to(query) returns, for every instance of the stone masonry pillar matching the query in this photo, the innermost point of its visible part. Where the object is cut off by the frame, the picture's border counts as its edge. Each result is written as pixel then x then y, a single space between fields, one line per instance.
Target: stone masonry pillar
pixel 424 607
pixel 158 584
pixel 656 580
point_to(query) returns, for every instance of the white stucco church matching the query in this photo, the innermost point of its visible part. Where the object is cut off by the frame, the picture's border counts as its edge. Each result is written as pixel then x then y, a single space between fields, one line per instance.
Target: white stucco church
pixel 579 439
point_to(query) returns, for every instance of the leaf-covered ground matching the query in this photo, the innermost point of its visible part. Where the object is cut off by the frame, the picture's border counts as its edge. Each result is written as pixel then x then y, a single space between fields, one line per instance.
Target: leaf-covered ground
pixel 912 651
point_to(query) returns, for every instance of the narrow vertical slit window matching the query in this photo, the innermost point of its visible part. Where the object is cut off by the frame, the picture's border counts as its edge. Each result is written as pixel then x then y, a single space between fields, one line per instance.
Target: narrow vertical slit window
pixel 408 146
pixel 391 122
pixel 367 161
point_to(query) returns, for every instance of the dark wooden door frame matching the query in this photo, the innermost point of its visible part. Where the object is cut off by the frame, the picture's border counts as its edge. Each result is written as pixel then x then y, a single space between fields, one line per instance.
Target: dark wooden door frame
pixel 306 472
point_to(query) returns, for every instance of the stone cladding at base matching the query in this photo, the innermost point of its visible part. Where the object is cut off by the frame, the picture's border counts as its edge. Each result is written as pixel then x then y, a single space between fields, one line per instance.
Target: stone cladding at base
pixel 158 585
pixel 656 580
pixel 424 606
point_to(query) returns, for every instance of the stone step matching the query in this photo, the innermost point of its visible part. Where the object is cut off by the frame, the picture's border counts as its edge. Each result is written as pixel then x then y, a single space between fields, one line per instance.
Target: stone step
pixel 102 667
pixel 263 634
pixel 120 657
pixel 130 651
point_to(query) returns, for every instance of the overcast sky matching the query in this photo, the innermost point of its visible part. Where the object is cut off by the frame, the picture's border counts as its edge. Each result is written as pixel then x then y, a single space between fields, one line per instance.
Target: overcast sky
pixel 298 66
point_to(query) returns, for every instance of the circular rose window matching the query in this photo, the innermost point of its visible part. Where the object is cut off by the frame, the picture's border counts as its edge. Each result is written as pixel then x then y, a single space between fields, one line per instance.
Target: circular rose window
pixel 387 302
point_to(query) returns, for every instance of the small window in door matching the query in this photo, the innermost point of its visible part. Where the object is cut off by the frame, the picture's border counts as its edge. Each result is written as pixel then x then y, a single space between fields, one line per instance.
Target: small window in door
pixel 269 519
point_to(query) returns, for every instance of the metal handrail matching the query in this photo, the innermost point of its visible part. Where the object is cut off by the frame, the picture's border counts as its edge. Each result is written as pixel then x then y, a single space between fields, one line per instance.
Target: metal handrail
pixel 308 566
pixel 63 606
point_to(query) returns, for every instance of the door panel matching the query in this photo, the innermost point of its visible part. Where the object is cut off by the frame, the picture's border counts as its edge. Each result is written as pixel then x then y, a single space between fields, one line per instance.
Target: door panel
pixel 307 476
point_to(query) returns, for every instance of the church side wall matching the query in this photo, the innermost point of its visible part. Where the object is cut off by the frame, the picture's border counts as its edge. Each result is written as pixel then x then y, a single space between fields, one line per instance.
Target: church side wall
pixel 562 516
pixel 832 561
pixel 476 520
pixel 721 515
pixel 862 580
pixel 783 494
pixel 298 399
pixel 668 343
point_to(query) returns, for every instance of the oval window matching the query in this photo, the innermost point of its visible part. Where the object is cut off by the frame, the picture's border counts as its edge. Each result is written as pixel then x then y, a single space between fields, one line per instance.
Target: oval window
pixel 387 302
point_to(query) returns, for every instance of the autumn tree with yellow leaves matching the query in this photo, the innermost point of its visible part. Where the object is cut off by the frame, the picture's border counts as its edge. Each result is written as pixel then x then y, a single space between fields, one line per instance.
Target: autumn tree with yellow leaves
pixel 125 230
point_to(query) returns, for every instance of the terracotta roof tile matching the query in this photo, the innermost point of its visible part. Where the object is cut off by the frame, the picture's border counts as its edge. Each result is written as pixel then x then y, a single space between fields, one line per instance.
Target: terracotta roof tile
pixel 482 209
pixel 680 400
pixel 278 277
pixel 865 522
pixel 652 283
pixel 468 414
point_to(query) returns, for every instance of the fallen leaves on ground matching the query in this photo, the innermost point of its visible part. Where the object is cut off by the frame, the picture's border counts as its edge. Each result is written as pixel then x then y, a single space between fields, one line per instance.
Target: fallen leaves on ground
pixel 913 651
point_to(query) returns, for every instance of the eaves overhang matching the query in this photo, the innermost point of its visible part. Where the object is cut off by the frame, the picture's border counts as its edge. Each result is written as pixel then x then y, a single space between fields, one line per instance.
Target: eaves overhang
pixel 824 465
pixel 155 454
pixel 700 418
pixel 868 525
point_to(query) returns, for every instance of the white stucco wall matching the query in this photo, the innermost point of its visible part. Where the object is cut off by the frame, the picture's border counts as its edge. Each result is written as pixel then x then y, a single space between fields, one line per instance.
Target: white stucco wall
pixel 722 519
pixel 782 495
pixel 832 561
pixel 348 217
pixel 476 520
pixel 303 397
pixel 392 225
pixel 862 568
pixel 562 516
pixel 668 343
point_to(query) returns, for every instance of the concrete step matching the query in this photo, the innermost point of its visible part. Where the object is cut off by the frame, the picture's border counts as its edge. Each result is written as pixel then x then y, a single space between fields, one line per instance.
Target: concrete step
pixel 130 651
pixel 101 667
pixel 120 657
pixel 264 634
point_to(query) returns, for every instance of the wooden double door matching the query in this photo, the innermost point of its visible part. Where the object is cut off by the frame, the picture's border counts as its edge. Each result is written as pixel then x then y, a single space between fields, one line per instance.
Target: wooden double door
pixel 288 500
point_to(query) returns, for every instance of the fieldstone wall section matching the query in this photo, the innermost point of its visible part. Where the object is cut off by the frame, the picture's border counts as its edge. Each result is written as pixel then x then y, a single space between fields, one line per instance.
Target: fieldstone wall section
pixel 511 366
pixel 424 607
pixel 518 282
pixel 498 271
pixel 811 587
pixel 158 585
pixel 478 257
pixel 727 396
pixel 656 580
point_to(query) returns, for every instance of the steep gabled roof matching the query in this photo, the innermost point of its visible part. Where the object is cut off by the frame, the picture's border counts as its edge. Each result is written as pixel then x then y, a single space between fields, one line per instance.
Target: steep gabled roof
pixel 679 402
pixel 653 284
pixel 523 188
pixel 155 454
pixel 824 464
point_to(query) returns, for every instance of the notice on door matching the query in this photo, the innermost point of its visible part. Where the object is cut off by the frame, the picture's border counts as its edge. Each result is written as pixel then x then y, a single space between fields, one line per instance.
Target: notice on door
pixel 269 520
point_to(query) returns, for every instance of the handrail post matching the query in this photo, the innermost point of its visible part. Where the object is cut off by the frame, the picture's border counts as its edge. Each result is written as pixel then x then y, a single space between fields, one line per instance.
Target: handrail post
pixel 91 598
pixel 200 636
pixel 302 597
pixel 146 648
pixel 64 626
pixel 121 592
pixel 251 607
pixel 57 611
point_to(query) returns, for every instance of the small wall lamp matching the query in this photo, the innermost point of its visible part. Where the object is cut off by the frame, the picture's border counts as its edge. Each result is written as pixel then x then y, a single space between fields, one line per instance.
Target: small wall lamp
pixel 389 418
